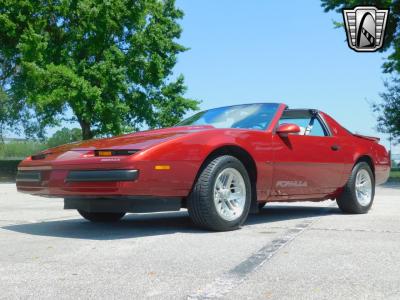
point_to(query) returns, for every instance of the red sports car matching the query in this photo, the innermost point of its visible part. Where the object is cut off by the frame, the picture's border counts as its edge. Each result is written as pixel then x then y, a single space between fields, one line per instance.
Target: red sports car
pixel 220 164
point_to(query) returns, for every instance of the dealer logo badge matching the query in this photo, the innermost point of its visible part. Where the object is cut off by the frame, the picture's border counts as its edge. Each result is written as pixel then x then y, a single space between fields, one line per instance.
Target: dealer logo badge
pixel 365 27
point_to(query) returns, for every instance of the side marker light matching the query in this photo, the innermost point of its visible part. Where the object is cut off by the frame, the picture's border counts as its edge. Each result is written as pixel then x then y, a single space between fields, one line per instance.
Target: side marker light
pixel 162 167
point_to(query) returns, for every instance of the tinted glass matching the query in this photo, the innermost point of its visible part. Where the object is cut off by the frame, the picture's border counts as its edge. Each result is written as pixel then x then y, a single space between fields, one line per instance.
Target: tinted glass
pixel 248 116
pixel 316 130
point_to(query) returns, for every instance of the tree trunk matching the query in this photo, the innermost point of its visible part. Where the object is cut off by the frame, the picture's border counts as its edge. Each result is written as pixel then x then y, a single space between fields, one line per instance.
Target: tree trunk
pixel 87 133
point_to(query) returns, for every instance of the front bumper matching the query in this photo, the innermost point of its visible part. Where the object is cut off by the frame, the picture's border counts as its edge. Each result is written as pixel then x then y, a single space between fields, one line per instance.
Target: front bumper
pixel 138 179
pixel 102 175
pixel 83 176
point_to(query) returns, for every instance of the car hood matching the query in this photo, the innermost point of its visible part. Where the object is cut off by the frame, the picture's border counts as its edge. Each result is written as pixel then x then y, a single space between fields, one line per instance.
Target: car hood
pixel 133 141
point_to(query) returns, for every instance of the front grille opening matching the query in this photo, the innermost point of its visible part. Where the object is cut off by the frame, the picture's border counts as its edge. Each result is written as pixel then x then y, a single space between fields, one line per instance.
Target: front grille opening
pixel 29 176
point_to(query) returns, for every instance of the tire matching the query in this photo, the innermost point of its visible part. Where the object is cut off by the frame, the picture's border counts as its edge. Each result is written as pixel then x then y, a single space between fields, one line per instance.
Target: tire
pixel 352 200
pixel 261 205
pixel 208 203
pixel 100 216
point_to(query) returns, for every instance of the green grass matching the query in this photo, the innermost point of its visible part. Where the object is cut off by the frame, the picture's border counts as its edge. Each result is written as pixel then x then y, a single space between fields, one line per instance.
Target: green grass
pixel 12 153
pixel 395 175
pixel 20 150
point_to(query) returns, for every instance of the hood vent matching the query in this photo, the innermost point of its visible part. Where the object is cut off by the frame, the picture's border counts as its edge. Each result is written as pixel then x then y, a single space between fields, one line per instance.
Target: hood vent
pixel 40 156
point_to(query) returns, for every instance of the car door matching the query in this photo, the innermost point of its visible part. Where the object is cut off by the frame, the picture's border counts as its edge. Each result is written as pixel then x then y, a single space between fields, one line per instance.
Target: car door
pixel 308 164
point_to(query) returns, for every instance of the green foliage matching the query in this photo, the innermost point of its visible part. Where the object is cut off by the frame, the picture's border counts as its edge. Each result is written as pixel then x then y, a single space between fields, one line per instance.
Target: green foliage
pixel 388 110
pixel 64 136
pixel 392 35
pixel 109 62
pixel 8 169
pixel 20 149
pixel 7 114
pixel 395 175
pixel 3 113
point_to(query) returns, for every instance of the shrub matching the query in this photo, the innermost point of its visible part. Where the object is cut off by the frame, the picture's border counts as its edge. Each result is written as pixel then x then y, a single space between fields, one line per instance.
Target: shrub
pixel 8 169
pixel 20 150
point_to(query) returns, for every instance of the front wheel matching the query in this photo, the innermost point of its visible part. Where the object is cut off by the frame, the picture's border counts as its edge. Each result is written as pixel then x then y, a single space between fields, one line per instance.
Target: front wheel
pixel 100 216
pixel 220 199
pixel 359 192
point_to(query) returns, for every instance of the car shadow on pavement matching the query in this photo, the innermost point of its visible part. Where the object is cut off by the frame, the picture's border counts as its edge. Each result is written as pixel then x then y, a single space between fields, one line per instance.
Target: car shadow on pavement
pixel 275 213
pixel 142 225
pixel 392 185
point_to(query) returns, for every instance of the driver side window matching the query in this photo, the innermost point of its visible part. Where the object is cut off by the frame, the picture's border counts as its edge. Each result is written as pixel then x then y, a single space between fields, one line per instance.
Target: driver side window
pixel 318 129
pixel 309 125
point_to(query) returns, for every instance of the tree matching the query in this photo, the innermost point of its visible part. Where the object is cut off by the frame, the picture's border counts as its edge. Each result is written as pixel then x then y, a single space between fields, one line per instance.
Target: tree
pixel 392 35
pixel 389 110
pixel 4 113
pixel 64 136
pixel 108 62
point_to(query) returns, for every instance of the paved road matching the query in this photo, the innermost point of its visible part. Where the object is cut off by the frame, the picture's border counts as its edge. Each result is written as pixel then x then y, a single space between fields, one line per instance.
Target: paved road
pixel 289 251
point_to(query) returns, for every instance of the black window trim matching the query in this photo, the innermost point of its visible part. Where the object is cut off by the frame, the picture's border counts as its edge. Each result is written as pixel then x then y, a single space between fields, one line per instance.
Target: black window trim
pixel 324 124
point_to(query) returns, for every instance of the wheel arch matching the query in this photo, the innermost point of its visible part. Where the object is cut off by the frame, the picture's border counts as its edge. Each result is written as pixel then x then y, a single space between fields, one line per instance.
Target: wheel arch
pixel 367 159
pixel 241 154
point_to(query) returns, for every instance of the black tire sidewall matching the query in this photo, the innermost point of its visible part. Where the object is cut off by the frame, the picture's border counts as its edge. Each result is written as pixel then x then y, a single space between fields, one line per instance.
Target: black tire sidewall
pixel 356 169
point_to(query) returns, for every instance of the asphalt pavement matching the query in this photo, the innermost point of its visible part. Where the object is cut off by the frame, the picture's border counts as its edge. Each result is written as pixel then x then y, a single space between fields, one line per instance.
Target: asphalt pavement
pixel 288 251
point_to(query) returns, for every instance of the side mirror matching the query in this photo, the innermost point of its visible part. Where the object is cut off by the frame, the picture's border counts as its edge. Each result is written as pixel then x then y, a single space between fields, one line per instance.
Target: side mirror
pixel 285 129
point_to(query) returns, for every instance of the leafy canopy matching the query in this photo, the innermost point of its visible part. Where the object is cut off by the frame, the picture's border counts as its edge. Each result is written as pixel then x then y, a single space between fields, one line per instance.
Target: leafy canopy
pixel 3 112
pixel 389 110
pixel 105 64
pixel 64 136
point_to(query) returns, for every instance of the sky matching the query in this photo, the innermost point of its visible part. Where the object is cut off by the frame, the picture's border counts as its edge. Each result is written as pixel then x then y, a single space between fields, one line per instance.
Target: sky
pixel 278 51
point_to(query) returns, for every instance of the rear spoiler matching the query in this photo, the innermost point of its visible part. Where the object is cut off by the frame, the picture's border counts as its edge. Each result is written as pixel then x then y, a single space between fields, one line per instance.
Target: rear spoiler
pixel 371 138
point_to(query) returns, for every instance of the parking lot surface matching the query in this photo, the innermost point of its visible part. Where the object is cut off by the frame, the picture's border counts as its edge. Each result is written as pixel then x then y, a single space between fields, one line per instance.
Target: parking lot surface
pixel 288 251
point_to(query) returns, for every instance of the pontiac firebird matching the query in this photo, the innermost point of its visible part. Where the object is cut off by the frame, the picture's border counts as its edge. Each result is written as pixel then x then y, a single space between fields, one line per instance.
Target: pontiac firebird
pixel 220 164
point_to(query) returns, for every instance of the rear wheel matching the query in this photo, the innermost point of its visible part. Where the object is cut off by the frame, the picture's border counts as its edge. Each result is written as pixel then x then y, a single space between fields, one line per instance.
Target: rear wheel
pixel 220 199
pixel 100 216
pixel 359 192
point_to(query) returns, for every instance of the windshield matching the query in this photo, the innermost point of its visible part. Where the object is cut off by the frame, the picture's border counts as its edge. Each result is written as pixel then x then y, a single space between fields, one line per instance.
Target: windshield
pixel 248 116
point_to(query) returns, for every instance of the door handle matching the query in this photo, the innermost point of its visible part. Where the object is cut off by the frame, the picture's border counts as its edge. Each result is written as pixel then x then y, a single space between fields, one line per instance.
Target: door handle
pixel 335 147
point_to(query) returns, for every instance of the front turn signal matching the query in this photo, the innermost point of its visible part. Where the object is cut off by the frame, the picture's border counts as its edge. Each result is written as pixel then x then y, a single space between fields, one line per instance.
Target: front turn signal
pixel 162 167
pixel 104 153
